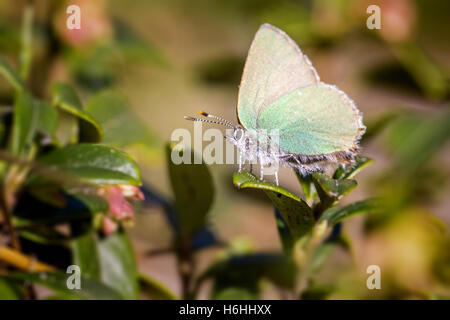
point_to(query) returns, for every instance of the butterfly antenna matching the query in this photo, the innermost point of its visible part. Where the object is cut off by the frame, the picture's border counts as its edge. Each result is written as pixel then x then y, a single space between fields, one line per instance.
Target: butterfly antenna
pixel 209 121
pixel 205 114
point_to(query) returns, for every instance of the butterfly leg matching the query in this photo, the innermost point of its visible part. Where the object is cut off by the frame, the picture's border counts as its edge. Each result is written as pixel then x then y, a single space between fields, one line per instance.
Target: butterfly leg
pixel 261 171
pixel 240 162
pixel 276 177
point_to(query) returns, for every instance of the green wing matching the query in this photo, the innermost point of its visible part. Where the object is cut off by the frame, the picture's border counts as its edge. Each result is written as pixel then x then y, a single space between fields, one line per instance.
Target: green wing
pixel 314 120
pixel 275 66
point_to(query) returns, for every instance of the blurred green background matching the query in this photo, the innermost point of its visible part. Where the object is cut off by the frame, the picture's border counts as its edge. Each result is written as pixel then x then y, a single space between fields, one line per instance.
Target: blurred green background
pixel 170 58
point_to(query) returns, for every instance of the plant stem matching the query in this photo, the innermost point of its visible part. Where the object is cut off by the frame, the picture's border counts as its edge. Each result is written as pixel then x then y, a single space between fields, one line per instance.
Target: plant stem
pixel 185 266
pixel 26 41
pixel 8 221
pixel 22 261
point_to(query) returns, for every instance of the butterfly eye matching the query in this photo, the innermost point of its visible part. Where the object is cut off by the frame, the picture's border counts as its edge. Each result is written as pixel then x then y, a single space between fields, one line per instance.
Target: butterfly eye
pixel 238 134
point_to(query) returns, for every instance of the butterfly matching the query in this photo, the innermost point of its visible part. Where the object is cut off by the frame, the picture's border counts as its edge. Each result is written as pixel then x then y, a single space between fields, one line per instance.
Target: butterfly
pixel 306 123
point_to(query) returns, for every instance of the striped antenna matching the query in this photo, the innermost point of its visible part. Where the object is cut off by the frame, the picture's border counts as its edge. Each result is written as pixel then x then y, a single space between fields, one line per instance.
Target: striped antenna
pixel 205 114
pixel 209 121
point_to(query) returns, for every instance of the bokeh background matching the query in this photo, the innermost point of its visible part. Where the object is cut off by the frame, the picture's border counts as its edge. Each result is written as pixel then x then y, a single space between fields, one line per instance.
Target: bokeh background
pixel 171 58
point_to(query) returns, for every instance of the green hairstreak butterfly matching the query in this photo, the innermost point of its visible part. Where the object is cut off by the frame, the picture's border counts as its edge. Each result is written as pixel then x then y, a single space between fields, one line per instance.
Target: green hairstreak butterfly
pixel 281 92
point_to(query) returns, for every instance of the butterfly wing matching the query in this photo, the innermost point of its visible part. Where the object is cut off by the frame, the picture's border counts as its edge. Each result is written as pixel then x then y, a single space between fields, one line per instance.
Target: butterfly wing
pixel 275 66
pixel 315 121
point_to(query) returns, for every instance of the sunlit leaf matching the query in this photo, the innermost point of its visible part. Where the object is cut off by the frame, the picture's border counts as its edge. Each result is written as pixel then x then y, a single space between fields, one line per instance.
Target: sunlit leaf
pixel 298 215
pixel 334 215
pixel 330 190
pixel 307 185
pixel 350 172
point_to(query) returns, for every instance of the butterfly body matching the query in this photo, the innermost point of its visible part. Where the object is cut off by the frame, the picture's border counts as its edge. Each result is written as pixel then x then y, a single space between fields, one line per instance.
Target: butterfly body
pixel 286 114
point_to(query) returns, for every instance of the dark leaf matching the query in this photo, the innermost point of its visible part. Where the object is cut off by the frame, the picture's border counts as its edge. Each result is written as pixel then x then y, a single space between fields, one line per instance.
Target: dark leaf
pixel 9 290
pixel 57 281
pixel 235 294
pixel 85 254
pixel 118 265
pixel 245 271
pixel 97 164
pixel 316 291
pixel 194 192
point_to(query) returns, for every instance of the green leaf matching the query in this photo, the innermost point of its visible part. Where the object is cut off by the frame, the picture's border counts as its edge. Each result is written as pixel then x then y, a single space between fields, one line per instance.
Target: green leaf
pixel 307 185
pixel 335 215
pixel 9 290
pixel 96 164
pixel 246 270
pixel 376 126
pixel 423 141
pixel 65 97
pixel 193 189
pixel 298 215
pixel 48 117
pixel 43 235
pixel 330 190
pixel 360 163
pixel 67 129
pixel 26 42
pixel 110 260
pixel 325 249
pixel 316 291
pixel 320 254
pixel 154 289
pixel 118 265
pixel 93 202
pixel 25 121
pixel 57 281
pixel 134 47
pixel 10 75
pixel 235 294
pixel 121 126
pixel 85 254
pixel 429 76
